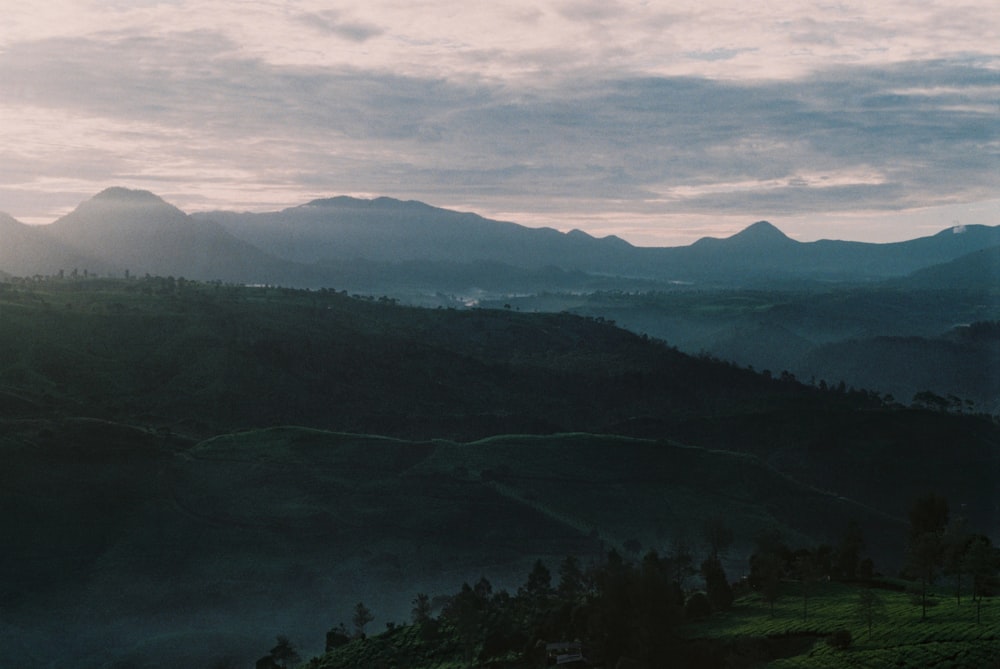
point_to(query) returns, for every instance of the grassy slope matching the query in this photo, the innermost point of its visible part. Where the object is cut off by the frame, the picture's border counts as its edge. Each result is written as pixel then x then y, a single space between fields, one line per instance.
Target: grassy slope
pixel 950 637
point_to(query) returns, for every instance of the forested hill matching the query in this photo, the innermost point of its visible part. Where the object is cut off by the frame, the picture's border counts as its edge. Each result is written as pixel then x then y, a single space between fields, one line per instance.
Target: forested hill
pixel 206 358
pixel 195 360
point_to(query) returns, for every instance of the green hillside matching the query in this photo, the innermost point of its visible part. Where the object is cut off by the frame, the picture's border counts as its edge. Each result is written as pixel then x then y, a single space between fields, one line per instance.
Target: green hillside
pixel 194 468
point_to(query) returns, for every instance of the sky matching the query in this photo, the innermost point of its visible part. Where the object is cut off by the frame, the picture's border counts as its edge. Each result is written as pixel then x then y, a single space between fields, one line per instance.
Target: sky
pixel 659 122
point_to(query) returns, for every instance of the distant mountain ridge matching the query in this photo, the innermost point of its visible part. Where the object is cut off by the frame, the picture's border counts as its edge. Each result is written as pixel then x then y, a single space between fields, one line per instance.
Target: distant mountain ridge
pixel 389 230
pixel 366 244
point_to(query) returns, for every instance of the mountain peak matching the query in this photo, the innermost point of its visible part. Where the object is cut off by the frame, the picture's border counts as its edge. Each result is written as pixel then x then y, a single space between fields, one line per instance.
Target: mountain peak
pixel 120 194
pixel 758 235
pixel 761 231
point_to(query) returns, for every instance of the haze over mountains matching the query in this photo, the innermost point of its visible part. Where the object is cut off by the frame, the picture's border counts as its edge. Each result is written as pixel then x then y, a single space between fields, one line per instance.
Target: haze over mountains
pixel 386 244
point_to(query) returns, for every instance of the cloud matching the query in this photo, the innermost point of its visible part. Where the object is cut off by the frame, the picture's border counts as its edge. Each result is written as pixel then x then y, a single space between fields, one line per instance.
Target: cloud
pixel 505 124
pixel 331 22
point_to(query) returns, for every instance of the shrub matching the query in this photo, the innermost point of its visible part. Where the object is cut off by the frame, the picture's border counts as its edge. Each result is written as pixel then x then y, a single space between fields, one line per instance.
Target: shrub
pixel 697 606
pixel 840 639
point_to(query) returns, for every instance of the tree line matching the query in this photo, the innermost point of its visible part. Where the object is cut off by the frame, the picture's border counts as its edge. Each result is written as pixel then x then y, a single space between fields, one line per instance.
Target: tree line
pixel 628 608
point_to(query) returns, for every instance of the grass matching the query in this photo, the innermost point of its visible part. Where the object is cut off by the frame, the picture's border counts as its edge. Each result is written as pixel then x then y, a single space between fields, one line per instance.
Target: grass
pixel 949 637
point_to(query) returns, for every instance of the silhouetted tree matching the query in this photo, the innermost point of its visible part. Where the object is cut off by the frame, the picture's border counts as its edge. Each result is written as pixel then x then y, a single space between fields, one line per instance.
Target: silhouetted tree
pixel 421 611
pixel 982 561
pixel 632 547
pixel 284 654
pixel 925 548
pixel 954 543
pixel 681 560
pixel 767 564
pixel 808 571
pixel 717 587
pixel 464 612
pixel 539 584
pixel 848 554
pixel 768 577
pixel 571 585
pixel 718 537
pixel 337 637
pixel 869 606
pixel 362 616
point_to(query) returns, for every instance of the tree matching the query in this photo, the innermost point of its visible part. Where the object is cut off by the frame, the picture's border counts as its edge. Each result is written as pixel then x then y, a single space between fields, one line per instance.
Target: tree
pixel 768 568
pixel 954 543
pixel 337 637
pixel 717 587
pixel 362 616
pixel 632 547
pixel 718 536
pixel 928 514
pixel 767 564
pixel 848 553
pixel 808 571
pixel 421 611
pixel 539 583
pixel 923 557
pixel 570 586
pixel 982 561
pixel 681 560
pixel 284 654
pixel 869 606
pixel 925 549
pixel 464 611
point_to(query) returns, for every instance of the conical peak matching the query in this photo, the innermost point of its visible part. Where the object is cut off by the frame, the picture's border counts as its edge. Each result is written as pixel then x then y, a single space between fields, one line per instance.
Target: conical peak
pixel 761 230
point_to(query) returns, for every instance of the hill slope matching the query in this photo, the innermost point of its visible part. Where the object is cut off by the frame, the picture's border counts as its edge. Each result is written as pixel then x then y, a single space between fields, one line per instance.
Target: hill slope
pixel 201 546
pixel 27 251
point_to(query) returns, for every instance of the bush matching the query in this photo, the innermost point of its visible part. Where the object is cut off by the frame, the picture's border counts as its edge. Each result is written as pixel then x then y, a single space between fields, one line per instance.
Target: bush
pixel 840 639
pixel 336 638
pixel 697 606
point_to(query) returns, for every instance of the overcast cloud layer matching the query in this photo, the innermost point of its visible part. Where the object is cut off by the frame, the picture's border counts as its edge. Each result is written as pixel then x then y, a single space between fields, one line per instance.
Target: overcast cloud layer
pixel 659 122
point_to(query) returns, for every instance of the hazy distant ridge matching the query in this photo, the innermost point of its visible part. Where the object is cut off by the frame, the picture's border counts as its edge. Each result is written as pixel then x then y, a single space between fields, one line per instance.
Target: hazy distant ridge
pixel 383 244
pixel 387 230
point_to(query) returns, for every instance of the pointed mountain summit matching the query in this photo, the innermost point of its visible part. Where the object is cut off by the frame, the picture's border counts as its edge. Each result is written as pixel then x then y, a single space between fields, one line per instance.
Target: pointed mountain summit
pixel 761 232
pixel 760 235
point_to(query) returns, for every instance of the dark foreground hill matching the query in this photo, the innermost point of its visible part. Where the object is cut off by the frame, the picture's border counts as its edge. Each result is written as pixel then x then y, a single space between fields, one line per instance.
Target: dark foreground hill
pixel 199 551
pixel 193 468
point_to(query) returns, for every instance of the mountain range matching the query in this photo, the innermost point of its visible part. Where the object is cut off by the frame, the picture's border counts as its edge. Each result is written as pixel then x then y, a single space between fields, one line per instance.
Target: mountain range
pixel 387 245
